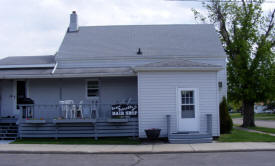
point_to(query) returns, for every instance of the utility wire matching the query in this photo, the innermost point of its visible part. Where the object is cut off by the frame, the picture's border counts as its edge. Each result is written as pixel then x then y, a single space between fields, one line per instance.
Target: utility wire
pixel 217 1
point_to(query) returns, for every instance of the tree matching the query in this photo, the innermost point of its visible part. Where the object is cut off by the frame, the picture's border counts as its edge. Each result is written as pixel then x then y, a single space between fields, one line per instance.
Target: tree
pixel 248 38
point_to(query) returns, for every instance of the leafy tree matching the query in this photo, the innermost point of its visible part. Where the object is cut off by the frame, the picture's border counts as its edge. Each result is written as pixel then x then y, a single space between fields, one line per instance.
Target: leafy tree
pixel 248 37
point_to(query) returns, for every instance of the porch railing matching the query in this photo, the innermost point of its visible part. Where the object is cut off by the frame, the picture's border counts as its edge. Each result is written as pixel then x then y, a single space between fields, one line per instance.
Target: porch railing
pixel 49 112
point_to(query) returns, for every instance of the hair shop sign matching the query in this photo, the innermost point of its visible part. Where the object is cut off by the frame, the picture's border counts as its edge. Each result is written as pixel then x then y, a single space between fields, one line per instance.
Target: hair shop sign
pixel 124 110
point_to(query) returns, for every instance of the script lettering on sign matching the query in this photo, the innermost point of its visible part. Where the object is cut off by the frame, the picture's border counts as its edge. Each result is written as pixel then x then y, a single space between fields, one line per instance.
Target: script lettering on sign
pixel 124 110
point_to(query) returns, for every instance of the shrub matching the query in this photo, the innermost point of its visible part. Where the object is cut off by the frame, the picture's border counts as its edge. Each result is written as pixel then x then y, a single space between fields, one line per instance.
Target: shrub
pixel 226 123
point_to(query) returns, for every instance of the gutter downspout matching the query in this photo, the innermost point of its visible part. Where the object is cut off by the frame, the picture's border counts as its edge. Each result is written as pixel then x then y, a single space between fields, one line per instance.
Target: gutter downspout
pixel 55 66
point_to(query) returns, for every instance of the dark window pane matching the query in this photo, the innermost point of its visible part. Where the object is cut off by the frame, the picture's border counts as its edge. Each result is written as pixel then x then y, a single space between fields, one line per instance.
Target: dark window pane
pixel 92 84
pixel 183 101
pixel 191 94
pixel 92 92
pixel 183 93
pixel 188 111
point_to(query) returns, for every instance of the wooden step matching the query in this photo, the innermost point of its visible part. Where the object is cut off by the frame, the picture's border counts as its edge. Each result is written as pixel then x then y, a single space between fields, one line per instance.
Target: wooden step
pixel 188 136
pixel 190 141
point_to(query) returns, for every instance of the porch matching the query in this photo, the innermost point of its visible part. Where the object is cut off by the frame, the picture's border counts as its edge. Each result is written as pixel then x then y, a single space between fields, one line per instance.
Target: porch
pixel 77 120
pixel 72 107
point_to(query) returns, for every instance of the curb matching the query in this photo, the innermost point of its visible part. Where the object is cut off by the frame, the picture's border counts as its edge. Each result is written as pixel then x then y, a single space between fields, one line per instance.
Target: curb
pixel 129 152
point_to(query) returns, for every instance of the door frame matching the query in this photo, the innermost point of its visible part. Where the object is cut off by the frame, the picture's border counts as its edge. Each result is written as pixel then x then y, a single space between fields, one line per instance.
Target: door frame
pixel 15 92
pixel 178 106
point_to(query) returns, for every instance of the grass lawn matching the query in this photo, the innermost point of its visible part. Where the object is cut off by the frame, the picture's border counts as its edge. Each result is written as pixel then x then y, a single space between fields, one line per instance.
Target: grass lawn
pixel 264 129
pixel 80 141
pixel 260 116
pixel 235 115
pixel 245 136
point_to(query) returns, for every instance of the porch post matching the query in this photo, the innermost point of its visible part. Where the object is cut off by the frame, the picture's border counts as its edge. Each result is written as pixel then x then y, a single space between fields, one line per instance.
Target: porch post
pixel 168 117
pixel 60 89
pixel 209 123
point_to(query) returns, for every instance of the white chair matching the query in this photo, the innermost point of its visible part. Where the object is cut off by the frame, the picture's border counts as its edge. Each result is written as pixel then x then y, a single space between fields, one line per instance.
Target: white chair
pixel 69 108
pixel 80 109
pixel 62 108
pixel 94 108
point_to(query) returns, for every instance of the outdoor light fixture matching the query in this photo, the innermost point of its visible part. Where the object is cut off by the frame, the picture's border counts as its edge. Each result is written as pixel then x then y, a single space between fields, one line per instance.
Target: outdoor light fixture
pixel 220 84
pixel 139 51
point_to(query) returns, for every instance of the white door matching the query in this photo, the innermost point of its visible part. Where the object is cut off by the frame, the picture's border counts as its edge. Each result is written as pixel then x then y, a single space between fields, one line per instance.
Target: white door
pixel 188 111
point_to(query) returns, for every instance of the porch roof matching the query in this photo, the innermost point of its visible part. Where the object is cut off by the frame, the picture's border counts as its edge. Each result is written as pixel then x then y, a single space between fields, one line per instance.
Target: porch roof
pixel 94 71
pixel 13 62
pixel 178 65
pixel 65 72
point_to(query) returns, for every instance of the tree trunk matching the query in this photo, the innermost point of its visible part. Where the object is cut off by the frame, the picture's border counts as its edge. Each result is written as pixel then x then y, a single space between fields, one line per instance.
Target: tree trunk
pixel 248 114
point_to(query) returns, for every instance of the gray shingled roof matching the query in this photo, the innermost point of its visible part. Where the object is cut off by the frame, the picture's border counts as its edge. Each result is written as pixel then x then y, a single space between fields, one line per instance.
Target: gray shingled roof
pixel 27 60
pixel 24 73
pixel 178 63
pixel 95 70
pixel 64 72
pixel 154 40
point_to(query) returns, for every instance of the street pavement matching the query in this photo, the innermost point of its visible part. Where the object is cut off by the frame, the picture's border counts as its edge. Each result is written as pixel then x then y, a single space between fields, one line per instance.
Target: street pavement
pixel 261 123
pixel 263 158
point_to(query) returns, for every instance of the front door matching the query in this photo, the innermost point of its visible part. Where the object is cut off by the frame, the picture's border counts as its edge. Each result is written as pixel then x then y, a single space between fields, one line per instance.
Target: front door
pixel 188 115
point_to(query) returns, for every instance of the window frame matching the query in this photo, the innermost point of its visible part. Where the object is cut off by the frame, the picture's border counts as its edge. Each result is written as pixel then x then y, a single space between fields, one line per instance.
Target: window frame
pixel 86 89
pixel 189 103
pixel 178 104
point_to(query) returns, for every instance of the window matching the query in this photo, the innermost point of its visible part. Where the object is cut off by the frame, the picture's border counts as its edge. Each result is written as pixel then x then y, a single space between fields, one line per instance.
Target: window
pixel 187 104
pixel 92 88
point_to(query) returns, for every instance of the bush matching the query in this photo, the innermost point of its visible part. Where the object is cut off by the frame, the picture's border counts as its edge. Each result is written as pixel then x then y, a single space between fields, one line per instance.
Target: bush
pixel 226 123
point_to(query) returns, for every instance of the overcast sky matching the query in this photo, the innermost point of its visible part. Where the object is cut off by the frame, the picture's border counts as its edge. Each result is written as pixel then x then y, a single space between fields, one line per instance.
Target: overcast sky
pixel 37 27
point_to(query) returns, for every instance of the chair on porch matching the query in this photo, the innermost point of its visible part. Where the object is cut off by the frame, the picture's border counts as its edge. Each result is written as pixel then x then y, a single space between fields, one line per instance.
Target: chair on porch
pixel 79 110
pixel 70 109
pixel 94 106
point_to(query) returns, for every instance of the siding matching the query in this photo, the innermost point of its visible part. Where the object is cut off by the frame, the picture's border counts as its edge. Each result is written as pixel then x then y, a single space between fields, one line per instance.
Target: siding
pixel 50 91
pixel 222 75
pixel 157 98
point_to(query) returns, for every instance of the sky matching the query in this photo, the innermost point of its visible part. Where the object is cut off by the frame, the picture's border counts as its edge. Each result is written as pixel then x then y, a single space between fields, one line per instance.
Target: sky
pixel 37 27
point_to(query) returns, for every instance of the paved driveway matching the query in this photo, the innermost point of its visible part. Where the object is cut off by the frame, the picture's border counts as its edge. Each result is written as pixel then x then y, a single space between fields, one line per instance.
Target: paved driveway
pixel 262 123
pixel 181 159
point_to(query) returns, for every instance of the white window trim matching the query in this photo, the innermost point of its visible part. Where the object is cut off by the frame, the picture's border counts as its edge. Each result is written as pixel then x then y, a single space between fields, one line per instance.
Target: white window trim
pixel 86 89
pixel 178 104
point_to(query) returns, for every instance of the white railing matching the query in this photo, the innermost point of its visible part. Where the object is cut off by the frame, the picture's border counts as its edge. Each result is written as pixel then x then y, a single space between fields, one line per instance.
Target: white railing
pixel 67 111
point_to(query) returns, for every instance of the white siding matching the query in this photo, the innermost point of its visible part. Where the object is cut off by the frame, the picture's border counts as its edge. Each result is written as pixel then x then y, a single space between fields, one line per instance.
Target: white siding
pixel 222 76
pixel 157 98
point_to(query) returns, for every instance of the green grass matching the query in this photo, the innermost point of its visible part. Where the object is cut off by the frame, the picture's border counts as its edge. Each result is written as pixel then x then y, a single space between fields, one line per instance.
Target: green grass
pixel 260 116
pixel 245 136
pixel 80 141
pixel 265 116
pixel 264 129
pixel 235 115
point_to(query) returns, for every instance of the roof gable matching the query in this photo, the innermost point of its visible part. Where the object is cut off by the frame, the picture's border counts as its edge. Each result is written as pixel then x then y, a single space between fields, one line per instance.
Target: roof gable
pixel 188 40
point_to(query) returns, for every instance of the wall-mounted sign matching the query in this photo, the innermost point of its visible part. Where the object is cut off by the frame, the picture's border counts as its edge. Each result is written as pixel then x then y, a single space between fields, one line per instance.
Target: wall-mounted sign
pixel 124 110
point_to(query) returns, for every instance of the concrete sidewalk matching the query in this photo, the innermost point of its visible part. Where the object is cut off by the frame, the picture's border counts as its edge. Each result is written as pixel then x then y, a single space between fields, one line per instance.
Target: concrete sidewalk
pixel 157 148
